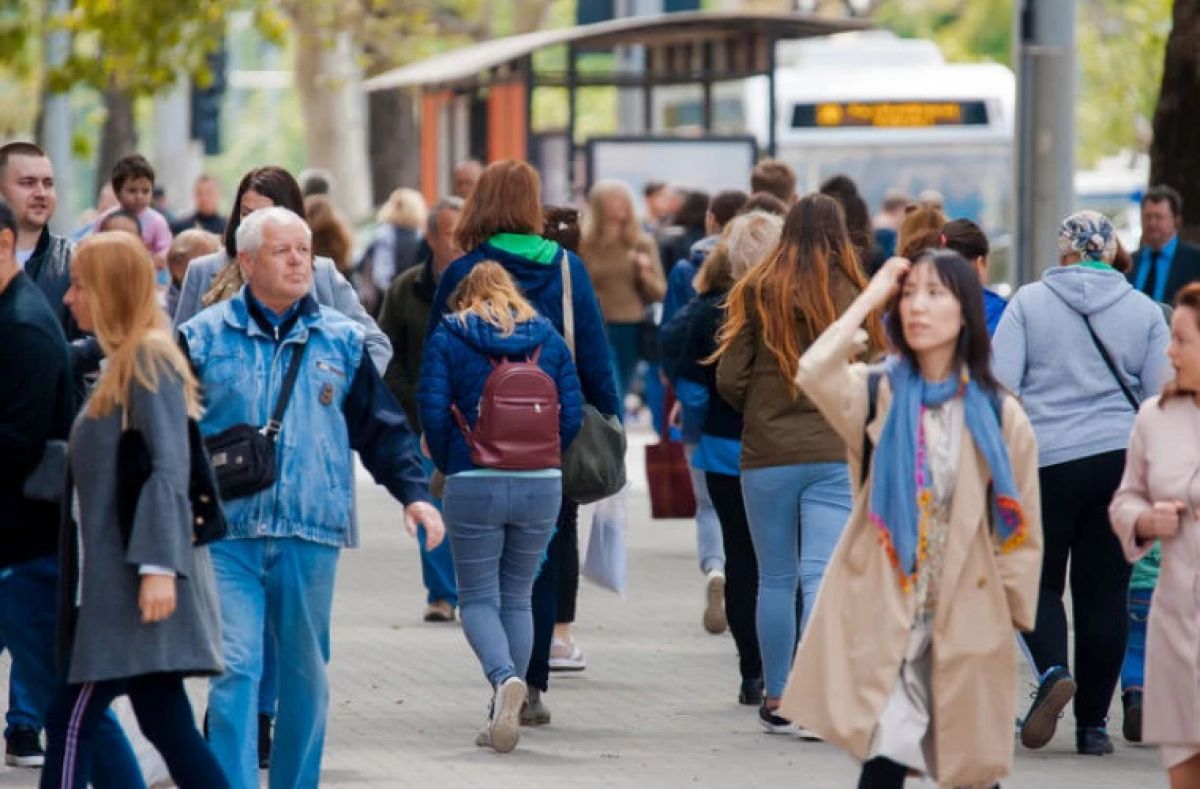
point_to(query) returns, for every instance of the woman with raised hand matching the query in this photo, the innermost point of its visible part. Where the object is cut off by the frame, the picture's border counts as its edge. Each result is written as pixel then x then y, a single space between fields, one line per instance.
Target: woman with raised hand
pixel 141 610
pixel 940 560
pixel 793 464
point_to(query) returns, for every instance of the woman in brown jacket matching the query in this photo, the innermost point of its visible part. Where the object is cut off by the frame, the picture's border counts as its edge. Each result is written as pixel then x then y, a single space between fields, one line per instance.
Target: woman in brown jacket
pixel 1158 500
pixel 623 263
pixel 794 479
pixel 908 662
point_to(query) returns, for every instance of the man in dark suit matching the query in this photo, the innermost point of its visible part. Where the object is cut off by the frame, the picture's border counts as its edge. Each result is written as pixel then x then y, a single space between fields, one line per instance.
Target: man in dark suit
pixel 1163 263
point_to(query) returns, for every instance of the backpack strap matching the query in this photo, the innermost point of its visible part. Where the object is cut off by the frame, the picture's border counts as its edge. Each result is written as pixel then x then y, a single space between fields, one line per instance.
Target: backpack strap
pixel 568 304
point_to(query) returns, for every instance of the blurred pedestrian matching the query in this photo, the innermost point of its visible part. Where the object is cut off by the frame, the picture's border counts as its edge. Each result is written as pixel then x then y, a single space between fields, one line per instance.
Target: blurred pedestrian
pixel 658 198
pixel 968 239
pixel 1164 262
pixel 1157 504
pixel 765 201
pixel 714 458
pixel 315 181
pixel 276 571
pixel 404 318
pixel 793 464
pixel 722 208
pixel 887 222
pixel 130 627
pixel 206 213
pixel 858 218
pixel 186 247
pixel 332 237
pixel 395 246
pixel 500 511
pixel 120 221
pixel 465 177
pixel 688 226
pixel 133 184
pixel 625 272
pixel 908 663
pixel 919 230
pixel 1082 349
pixel 774 177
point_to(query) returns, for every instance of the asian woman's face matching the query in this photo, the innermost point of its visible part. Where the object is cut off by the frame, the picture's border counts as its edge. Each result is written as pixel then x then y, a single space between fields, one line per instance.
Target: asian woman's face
pixel 930 314
pixel 1184 350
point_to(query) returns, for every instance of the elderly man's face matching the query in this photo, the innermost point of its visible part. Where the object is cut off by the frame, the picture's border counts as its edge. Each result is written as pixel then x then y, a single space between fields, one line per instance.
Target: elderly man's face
pixel 466 176
pixel 280 272
pixel 442 243
pixel 1158 223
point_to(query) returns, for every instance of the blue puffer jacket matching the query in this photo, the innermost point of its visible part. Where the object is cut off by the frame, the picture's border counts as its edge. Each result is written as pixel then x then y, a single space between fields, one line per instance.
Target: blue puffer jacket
pixel 541 284
pixel 455 366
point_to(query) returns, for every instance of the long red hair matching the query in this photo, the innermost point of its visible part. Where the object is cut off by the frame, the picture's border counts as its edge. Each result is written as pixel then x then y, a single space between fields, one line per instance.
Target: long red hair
pixel 794 278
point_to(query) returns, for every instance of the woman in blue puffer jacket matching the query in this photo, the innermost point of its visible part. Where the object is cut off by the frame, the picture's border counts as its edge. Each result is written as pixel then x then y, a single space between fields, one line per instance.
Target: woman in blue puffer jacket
pixel 499 521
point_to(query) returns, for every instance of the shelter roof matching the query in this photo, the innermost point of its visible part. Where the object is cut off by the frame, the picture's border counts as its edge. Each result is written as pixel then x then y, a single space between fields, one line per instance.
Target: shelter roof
pixel 469 66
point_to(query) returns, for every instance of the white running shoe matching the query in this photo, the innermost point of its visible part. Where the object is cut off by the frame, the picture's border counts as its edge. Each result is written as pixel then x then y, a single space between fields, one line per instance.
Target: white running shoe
pixel 566 656
pixel 506 714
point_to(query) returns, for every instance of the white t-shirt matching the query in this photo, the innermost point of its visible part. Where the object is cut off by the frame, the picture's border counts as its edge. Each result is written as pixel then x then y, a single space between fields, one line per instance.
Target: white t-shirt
pixel 23 256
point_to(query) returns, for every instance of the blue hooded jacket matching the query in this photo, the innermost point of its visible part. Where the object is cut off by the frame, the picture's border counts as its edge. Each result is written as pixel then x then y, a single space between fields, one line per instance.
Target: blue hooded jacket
pixel 541 284
pixel 455 366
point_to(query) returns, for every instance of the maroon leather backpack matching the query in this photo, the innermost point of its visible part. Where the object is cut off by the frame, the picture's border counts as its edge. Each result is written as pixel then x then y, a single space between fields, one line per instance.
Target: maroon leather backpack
pixel 517 428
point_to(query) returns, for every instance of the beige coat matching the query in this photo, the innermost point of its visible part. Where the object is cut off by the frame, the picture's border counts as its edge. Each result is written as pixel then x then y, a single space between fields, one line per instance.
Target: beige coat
pixel 852 650
pixel 1163 464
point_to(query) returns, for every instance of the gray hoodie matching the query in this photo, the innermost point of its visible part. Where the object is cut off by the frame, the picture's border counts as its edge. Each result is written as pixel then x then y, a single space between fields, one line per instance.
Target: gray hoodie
pixel 1044 354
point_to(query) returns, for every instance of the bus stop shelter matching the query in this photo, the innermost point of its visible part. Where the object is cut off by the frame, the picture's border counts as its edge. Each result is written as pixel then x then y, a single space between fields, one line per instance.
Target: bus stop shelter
pixel 477 101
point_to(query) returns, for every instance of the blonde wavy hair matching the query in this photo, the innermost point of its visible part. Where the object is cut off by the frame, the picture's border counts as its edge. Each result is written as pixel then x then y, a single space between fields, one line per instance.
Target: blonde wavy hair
pixel 404 208
pixel 489 292
pixel 593 223
pixel 115 273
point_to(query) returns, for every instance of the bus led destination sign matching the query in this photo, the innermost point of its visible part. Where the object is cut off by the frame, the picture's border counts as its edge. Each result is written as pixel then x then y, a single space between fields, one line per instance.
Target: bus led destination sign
pixel 889 114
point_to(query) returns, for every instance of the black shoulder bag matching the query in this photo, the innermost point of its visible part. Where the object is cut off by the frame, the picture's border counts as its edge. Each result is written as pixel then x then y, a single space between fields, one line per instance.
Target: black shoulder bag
pixel 243 456
pixel 1112 366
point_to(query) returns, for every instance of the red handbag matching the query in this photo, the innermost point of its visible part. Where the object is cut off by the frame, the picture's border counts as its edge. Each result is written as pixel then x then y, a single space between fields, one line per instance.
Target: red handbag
pixel 671 494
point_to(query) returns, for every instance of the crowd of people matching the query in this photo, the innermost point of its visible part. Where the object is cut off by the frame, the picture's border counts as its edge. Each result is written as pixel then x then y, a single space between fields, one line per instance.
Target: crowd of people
pixel 893 466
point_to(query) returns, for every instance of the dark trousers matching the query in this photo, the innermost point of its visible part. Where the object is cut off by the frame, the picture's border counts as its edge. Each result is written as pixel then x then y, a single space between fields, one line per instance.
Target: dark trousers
pixel 546 596
pixel 741 570
pixel 568 563
pixel 1075 526
pixel 163 714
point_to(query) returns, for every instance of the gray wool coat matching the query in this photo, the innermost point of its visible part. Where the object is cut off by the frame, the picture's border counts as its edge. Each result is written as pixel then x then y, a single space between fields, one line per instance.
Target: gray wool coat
pixel 109 640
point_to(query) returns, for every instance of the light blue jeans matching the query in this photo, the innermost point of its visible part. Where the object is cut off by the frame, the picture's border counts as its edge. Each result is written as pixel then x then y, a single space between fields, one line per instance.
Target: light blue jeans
pixel 710 548
pixel 499 527
pixel 796 515
pixel 288 584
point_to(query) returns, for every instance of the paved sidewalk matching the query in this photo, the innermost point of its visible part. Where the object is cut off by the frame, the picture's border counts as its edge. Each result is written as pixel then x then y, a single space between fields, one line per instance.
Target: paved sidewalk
pixel 655 707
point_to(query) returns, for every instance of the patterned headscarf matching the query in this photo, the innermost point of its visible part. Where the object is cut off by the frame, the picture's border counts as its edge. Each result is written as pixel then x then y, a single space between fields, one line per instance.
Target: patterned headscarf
pixel 1090 234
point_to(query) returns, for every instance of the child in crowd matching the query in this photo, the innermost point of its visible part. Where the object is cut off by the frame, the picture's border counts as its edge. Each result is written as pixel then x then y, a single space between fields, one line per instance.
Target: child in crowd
pixel 133 183
pixel 186 247
pixel 120 221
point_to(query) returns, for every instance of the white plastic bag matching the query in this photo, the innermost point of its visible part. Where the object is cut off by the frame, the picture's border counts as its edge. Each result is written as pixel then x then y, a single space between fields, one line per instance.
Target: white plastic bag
pixel 606 562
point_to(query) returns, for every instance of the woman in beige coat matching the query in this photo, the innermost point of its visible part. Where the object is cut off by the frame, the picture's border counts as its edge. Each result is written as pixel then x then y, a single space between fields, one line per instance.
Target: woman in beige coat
pixel 908 662
pixel 1158 500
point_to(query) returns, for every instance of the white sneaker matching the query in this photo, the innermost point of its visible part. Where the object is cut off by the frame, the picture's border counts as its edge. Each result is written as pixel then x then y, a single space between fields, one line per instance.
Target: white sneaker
pixel 566 656
pixel 714 607
pixel 506 714
pixel 805 734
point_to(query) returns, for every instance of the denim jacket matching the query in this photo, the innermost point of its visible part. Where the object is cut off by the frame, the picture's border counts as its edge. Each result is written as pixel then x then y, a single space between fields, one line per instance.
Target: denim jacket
pixel 339 404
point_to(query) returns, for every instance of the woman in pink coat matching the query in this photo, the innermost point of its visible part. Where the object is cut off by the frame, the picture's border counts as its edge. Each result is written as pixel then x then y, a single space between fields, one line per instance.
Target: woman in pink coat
pixel 1159 499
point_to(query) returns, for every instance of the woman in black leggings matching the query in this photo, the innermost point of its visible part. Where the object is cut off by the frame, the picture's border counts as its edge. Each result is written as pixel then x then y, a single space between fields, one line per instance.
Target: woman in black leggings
pixel 1081 348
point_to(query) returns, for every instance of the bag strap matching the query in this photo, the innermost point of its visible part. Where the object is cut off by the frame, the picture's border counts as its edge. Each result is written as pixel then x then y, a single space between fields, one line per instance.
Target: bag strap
pixel 873 377
pixel 1112 367
pixel 568 305
pixel 273 427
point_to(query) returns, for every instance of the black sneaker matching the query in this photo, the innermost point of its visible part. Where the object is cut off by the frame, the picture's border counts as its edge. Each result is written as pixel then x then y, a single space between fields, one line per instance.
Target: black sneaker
pixel 772 723
pixel 264 741
pixel 1093 741
pixel 751 692
pixel 24 748
pixel 1131 726
pixel 1048 702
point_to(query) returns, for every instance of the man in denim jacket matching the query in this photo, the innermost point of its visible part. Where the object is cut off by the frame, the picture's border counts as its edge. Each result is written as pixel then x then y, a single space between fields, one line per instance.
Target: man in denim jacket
pixel 278 562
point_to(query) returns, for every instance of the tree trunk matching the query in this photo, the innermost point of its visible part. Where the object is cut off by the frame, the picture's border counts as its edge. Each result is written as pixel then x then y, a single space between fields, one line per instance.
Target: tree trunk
pixel 329 84
pixel 394 139
pixel 119 137
pixel 1174 154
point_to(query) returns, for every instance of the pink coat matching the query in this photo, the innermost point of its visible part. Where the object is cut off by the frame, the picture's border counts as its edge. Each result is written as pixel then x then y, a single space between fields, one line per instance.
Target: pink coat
pixel 1163 464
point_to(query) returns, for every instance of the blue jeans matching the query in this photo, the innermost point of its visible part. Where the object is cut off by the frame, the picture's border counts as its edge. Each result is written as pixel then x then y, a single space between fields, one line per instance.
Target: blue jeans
pixel 1133 670
pixel 623 345
pixel 499 528
pixel 20 706
pixel 437 566
pixel 287 583
pixel 28 623
pixel 796 515
pixel 710 548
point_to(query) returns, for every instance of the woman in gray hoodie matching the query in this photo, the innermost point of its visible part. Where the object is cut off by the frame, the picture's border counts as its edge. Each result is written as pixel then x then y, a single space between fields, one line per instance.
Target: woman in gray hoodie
pixel 1081 348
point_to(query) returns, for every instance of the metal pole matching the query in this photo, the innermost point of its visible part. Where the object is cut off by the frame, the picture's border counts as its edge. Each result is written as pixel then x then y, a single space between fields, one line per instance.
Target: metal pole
pixel 707 87
pixel 772 103
pixel 56 129
pixel 1044 155
pixel 571 75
